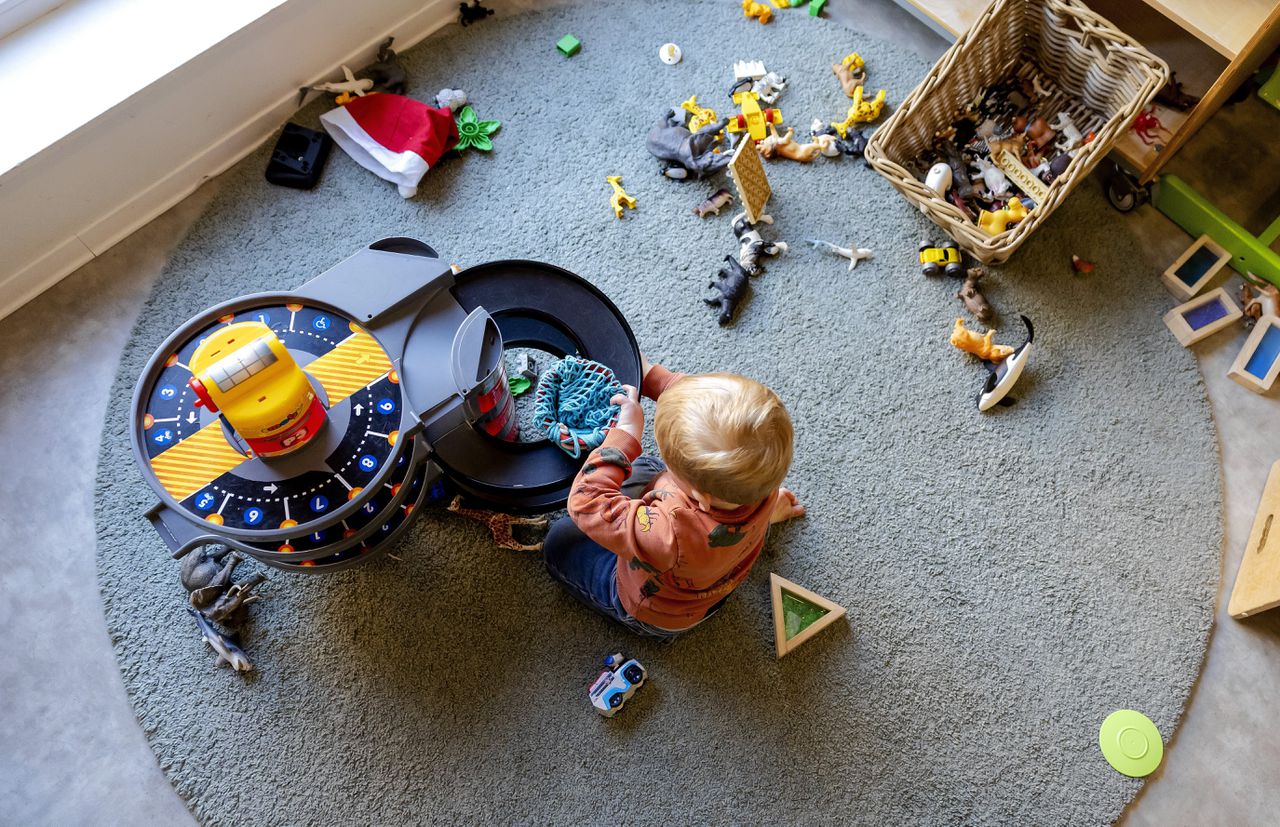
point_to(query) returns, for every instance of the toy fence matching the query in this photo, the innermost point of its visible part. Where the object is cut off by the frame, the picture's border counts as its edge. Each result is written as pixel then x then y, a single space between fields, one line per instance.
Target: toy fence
pixel 1094 71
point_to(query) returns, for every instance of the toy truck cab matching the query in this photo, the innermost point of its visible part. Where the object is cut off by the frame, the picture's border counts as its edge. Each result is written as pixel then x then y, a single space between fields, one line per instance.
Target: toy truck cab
pixel 245 373
pixel 616 684
pixel 945 258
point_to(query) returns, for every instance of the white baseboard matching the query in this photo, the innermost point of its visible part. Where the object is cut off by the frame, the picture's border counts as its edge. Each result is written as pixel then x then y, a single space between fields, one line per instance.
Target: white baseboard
pixel 127 211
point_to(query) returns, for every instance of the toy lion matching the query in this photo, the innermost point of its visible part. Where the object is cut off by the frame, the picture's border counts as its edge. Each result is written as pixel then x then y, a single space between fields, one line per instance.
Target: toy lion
pixel 979 345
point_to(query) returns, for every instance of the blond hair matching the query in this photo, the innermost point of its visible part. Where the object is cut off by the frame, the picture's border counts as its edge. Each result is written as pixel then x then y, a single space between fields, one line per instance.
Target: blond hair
pixel 726 435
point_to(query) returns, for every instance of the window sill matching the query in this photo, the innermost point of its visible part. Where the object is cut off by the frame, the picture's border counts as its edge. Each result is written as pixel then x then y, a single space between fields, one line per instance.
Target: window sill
pixel 80 60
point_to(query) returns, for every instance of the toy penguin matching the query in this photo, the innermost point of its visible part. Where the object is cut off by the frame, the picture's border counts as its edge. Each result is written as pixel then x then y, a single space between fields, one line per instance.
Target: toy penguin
pixel 734 284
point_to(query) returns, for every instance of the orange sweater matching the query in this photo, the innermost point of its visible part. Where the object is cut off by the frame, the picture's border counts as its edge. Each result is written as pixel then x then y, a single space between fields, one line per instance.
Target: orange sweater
pixel 675 560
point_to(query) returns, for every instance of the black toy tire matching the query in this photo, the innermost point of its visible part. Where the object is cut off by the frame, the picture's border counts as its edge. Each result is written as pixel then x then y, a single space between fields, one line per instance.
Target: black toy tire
pixel 956 270
pixel 931 269
pixel 1124 193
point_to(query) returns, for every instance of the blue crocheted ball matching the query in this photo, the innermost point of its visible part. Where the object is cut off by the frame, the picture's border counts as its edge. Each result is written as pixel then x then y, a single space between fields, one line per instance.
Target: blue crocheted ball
pixel 572 406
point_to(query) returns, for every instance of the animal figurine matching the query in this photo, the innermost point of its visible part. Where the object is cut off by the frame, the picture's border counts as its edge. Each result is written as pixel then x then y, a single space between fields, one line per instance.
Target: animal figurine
pixel 385 72
pixel 228 609
pixel 473 13
pixel 205 574
pixel 1172 96
pixel 961 185
pixel 733 284
pixel 1264 302
pixel 687 154
pixel 699 116
pixel 1070 135
pixel 996 182
pixel 994 223
pixel 980 345
pixel 1003 375
pixel 784 146
pixel 1050 171
pixel 760 11
pixel 861 111
pixel 1040 132
pixel 938 179
pixel 451 99
pixel 850 72
pixel 770 87
pixel 500 525
pixel 1013 143
pixel 973 299
pixel 1040 92
pixel 1149 129
pixel 750 244
pixel 712 206
pixel 227 650
pixel 854 254
pixel 853 145
pixel 619 199
pixel 1081 265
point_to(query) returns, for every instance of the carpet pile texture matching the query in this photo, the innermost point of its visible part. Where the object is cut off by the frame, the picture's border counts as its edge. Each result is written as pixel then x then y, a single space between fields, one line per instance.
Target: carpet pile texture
pixel 1010 578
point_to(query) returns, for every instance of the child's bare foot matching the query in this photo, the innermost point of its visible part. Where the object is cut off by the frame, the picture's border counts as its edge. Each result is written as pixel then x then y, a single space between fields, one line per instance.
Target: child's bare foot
pixel 786 507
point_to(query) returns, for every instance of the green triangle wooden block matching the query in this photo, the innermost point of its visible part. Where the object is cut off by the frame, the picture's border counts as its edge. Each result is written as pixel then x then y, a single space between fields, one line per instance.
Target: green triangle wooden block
pixel 798 614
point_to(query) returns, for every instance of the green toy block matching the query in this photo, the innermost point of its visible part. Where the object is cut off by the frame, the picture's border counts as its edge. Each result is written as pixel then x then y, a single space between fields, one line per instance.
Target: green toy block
pixel 816 6
pixel 569 45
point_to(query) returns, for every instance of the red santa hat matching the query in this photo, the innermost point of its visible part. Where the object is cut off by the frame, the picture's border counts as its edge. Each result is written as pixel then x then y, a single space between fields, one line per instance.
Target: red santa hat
pixel 394 137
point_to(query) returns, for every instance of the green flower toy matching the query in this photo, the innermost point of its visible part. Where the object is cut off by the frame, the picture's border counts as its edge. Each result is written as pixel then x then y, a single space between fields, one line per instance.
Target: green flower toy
pixel 474 132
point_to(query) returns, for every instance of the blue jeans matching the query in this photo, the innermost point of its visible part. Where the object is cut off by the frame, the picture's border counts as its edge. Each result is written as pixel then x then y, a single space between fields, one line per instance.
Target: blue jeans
pixel 588 570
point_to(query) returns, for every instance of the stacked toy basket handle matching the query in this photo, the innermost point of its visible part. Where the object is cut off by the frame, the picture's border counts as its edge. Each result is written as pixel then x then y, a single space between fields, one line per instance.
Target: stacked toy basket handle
pixel 1094 71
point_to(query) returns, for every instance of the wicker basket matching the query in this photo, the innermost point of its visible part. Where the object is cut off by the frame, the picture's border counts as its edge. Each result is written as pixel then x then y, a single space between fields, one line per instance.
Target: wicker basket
pixel 1094 71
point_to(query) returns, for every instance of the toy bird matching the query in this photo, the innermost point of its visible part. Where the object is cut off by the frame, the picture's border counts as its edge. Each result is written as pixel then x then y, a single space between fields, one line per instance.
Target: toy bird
pixel 854 254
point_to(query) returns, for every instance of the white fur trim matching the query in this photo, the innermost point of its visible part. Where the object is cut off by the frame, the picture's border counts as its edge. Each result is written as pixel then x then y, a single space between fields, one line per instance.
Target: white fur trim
pixel 404 169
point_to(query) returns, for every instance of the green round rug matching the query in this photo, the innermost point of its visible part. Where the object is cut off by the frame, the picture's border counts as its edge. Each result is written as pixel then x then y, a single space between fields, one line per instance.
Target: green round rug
pixel 1010 578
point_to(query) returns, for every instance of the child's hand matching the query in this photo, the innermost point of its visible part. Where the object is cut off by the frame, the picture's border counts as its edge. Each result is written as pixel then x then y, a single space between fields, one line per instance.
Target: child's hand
pixel 786 507
pixel 631 417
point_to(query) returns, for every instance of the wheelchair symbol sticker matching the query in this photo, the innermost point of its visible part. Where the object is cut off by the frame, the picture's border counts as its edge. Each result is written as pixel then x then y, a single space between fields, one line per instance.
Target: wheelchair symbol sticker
pixel 163 436
pixel 205 501
pixel 321 323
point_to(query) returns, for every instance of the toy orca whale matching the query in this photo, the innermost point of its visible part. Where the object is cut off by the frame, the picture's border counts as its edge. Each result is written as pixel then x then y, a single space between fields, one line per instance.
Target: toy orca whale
pixel 227 651
pixel 1004 374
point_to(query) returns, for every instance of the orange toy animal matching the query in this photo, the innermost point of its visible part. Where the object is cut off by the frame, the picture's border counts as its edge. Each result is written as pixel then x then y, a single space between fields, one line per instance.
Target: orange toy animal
pixel 980 346
pixel 757 10
pixel 782 145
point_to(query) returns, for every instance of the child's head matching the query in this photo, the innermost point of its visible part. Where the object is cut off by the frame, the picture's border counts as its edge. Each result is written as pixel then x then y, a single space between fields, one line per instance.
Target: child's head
pixel 727 436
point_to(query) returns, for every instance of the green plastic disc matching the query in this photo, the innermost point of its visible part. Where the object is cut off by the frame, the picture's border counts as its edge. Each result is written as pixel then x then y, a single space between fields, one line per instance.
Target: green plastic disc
pixel 1131 743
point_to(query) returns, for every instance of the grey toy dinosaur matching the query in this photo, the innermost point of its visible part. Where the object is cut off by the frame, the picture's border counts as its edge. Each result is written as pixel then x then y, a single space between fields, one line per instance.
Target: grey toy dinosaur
pixel 687 154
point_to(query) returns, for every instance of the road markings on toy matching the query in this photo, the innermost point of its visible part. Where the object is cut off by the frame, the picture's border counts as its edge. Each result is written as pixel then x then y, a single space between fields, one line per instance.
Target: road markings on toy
pixel 357 362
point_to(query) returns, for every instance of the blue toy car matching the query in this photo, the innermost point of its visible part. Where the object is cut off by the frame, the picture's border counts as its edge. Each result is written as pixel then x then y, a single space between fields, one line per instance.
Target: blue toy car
pixel 616 684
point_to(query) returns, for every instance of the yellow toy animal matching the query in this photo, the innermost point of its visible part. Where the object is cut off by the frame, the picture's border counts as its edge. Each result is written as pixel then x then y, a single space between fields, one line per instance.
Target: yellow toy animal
pixel 980 346
pixel 757 10
pixel 782 145
pixel 850 72
pixel 619 199
pixel 862 111
pixel 994 223
pixel 700 116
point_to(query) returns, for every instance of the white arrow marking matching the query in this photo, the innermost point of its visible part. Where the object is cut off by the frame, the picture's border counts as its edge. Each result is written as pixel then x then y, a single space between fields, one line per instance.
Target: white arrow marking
pixel 270 489
pixel 358 409
pixel 192 417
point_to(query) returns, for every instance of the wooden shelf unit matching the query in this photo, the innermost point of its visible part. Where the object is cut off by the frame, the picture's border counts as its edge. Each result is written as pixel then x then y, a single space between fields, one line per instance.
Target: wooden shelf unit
pixel 1241 33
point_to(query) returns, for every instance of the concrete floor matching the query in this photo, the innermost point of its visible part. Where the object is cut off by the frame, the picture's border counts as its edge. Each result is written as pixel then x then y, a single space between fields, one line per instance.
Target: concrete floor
pixel 73 752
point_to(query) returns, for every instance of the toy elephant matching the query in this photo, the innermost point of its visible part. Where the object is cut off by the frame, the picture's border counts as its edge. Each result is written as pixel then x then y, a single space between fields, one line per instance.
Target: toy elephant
pixel 206 574
pixel 687 154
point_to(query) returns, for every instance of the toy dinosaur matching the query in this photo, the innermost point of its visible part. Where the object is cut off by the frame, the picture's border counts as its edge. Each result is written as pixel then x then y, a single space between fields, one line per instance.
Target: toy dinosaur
pixel 854 254
pixel 227 650
pixel 712 206
pixel 619 199
pixel 751 245
pixel 733 284
pixel 228 608
pixel 760 11
pixel 687 154
pixel 974 301
pixel 784 146
pixel 500 525
pixel 205 574
pixel 851 73
pixel 861 111
pixel 981 346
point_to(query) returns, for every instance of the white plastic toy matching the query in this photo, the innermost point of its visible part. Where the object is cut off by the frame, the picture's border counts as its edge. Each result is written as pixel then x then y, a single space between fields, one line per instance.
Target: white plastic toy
pixel 616 684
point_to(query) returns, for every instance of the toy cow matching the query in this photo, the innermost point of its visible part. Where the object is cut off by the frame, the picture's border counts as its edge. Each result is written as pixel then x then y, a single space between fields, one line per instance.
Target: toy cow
pixel 751 246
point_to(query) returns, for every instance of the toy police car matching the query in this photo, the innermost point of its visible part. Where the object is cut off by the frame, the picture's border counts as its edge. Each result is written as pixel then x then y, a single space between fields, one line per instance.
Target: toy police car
pixel 945 258
pixel 616 684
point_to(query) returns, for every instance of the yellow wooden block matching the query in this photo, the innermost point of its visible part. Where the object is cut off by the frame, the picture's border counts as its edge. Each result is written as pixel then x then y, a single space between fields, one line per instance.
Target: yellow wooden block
pixel 1257 585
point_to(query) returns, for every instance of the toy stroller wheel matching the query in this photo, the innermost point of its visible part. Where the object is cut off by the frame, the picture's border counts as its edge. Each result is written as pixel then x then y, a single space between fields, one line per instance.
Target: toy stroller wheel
pixel 1124 193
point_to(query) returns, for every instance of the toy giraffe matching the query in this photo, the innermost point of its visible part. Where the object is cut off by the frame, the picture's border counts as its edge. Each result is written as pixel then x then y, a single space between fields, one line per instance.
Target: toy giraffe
pixel 500 525
pixel 619 197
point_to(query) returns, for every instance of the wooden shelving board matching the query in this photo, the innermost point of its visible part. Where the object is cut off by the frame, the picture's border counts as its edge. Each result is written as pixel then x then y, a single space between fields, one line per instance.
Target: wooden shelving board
pixel 1226 26
pixel 950 16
